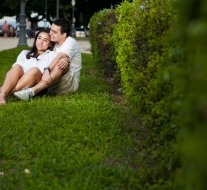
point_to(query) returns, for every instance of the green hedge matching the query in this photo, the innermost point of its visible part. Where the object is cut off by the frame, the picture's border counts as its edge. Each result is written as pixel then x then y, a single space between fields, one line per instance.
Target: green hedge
pixel 137 42
pixel 142 57
pixel 101 30
pixel 190 32
pixel 160 48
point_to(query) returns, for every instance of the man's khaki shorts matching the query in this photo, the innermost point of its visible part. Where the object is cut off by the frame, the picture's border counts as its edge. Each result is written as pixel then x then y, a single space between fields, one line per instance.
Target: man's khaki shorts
pixel 66 85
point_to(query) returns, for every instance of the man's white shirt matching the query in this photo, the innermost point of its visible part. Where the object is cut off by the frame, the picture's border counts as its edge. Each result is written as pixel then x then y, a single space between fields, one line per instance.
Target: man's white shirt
pixel 70 47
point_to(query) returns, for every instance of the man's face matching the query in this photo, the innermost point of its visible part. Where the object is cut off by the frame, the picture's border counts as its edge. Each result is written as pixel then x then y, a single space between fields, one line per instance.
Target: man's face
pixel 55 33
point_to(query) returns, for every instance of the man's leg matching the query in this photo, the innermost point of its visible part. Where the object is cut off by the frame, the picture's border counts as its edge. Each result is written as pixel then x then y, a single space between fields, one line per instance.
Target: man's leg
pixel 55 74
pixel 28 34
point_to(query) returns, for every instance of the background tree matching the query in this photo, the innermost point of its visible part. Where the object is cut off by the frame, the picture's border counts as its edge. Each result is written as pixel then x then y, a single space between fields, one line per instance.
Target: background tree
pixel 84 9
pixel 9 8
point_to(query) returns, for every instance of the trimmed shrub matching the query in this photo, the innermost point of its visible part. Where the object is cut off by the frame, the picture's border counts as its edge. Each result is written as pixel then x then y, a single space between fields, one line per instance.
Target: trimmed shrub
pixel 161 56
pixel 137 42
pixel 101 30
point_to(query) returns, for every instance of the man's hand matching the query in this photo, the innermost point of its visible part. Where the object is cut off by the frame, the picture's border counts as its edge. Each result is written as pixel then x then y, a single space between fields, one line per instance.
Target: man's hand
pixel 46 78
pixel 63 63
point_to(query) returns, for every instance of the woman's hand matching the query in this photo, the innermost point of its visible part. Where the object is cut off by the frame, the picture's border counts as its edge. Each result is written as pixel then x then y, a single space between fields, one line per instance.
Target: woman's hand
pixel 63 63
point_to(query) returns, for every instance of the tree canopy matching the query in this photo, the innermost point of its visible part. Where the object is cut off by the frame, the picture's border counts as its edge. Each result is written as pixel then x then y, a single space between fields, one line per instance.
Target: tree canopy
pixel 83 9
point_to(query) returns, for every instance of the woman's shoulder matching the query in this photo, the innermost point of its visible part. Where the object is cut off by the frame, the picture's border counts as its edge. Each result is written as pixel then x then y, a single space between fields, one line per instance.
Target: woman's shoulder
pixel 48 53
pixel 25 51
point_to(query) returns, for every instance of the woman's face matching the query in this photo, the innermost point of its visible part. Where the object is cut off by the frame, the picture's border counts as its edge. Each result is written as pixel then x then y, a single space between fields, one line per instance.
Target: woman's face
pixel 43 42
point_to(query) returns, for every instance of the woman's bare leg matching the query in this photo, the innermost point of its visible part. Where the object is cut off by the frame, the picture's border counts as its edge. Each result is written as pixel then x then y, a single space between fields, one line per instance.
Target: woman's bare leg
pixel 29 79
pixel 16 80
pixel 11 79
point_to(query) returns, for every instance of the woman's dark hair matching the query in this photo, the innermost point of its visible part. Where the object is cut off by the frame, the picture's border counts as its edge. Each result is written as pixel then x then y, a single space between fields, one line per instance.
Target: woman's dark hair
pixel 33 51
pixel 64 25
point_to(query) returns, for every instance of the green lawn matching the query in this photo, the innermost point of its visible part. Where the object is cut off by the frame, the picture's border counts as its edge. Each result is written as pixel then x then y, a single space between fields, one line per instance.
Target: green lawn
pixel 81 38
pixel 80 141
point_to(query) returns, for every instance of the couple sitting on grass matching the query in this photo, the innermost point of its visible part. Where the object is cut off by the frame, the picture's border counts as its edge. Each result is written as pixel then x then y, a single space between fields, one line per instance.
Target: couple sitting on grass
pixel 53 63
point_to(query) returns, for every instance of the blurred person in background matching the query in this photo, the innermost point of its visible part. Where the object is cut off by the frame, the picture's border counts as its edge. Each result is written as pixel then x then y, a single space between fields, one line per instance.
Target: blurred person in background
pixel 17 30
pixel 5 28
pixel 11 30
pixel 28 28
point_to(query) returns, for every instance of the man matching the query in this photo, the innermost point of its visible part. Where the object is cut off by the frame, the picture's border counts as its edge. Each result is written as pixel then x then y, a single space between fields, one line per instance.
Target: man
pixel 60 77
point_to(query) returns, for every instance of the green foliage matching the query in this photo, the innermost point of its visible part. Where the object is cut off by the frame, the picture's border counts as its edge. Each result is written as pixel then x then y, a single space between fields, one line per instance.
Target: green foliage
pixel 137 42
pixel 144 62
pixel 74 141
pixel 87 7
pixel 9 8
pixel 142 58
pixel 101 30
pixel 163 75
pixel 192 142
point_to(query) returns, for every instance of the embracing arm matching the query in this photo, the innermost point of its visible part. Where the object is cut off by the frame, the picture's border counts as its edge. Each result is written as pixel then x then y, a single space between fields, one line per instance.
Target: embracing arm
pixel 61 59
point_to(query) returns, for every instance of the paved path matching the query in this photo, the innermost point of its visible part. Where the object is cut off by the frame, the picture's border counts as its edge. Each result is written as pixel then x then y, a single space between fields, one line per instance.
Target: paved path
pixel 8 43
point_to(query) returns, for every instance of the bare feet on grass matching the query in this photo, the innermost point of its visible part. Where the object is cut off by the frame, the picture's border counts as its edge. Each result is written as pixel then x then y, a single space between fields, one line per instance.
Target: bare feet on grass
pixel 2 99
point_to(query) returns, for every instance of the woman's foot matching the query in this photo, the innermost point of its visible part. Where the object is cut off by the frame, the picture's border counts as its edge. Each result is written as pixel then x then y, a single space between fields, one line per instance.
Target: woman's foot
pixel 2 99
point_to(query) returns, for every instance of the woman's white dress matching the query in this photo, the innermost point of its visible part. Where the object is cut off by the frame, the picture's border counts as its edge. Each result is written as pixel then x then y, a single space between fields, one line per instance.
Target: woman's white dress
pixel 40 62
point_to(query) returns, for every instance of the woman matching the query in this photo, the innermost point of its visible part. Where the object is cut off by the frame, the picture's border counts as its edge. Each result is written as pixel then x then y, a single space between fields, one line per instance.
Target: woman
pixel 38 58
